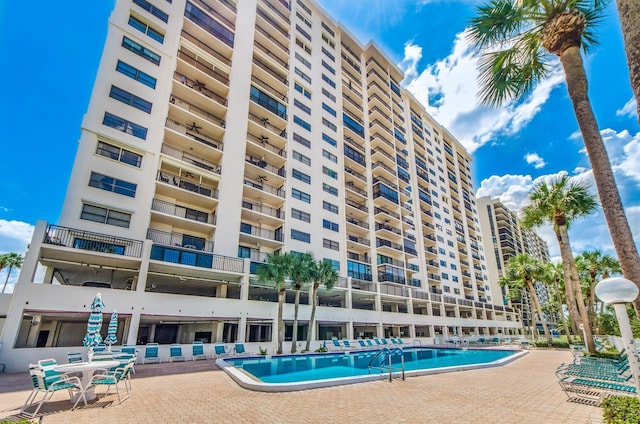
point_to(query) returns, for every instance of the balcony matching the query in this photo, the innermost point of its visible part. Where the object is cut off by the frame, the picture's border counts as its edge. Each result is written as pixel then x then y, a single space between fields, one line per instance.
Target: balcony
pixel 203 66
pixel 95 242
pixel 359 240
pixel 262 209
pixel 262 233
pixel 358 222
pixel 261 186
pixel 173 209
pixel 194 133
pixel 218 121
pixel 381 226
pixel 364 258
pixel 199 88
pixel 386 211
pixel 189 256
pixel 383 243
pixel 187 183
pixel 209 24
pixel 357 205
pixel 267 73
pixel 190 159
pixel 355 173
pixel 179 240
pixel 206 47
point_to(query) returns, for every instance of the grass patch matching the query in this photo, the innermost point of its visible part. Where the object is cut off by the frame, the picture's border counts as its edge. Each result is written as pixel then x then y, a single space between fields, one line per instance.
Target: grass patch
pixel 621 410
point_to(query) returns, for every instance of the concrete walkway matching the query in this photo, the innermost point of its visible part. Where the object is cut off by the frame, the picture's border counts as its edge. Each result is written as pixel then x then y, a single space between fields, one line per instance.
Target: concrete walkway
pixel 524 391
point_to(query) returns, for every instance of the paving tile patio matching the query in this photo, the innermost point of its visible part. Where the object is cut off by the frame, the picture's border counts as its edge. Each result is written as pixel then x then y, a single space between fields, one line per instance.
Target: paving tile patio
pixel 524 391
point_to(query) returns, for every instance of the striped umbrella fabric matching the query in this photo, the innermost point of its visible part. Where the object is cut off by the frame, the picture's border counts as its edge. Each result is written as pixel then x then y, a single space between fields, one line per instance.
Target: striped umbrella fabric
pixel 93 337
pixel 111 338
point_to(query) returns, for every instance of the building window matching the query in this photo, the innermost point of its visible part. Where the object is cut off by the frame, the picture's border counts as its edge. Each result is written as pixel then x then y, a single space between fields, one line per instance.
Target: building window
pixel 136 74
pixel 302 216
pixel 105 216
pixel 300 89
pixel 330 172
pixel 328 81
pixel 328 155
pixel 304 124
pixel 143 52
pixel 152 9
pixel 125 126
pixel 209 24
pixel 301 158
pixel 130 99
pixel 300 139
pixel 445 276
pixel 443 263
pixel 306 109
pixel 330 225
pixel 115 185
pixel 119 154
pixel 303 19
pixel 328 95
pixel 329 189
pixel 456 291
pixel 329 109
pixel 263 99
pixel 301 176
pixel 329 124
pixel 329 140
pixel 301 59
pixel 144 28
pixel 329 207
pixel 300 195
pixel 328 54
pixel 304 33
pixel 302 75
pixel 328 67
pixel 334 264
pixel 330 244
pixel 300 236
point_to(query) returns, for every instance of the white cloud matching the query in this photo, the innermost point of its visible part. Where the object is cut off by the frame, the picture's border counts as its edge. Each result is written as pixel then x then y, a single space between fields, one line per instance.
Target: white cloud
pixel 448 87
pixel 535 160
pixel 15 236
pixel 629 109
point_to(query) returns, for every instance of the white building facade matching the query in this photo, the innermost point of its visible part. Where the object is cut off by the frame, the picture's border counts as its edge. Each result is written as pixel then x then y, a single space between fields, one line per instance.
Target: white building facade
pixel 218 133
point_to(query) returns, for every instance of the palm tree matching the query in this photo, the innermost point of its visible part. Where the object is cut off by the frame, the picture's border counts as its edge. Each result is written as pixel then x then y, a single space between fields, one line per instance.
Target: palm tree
pixel 275 271
pixel 594 265
pixel 523 270
pixel 11 260
pixel 560 203
pixel 518 39
pixel 629 12
pixel 323 273
pixel 553 274
pixel 514 294
pixel 301 275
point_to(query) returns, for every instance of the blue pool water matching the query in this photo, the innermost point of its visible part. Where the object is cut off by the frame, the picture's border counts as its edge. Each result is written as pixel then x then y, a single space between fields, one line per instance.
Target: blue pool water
pixel 302 368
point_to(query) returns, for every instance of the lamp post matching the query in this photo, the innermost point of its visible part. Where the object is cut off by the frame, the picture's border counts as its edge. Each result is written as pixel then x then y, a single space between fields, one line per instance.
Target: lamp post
pixel 618 292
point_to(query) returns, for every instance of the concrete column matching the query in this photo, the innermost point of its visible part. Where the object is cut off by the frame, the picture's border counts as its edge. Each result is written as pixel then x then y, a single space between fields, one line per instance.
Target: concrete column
pixel 242 328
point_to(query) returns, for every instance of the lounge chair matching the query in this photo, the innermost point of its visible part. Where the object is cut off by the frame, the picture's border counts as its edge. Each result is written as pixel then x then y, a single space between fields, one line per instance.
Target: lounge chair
pixel 238 349
pixel 220 350
pixel 362 343
pixel 336 343
pixel 175 353
pixel 197 351
pixel 495 340
pixel 482 340
pixel 377 340
pixel 346 344
pixel 48 382
pixel 370 343
pixel 384 341
pixel 114 378
pixel 393 340
pixel 151 353
pixel 399 340
pixel 74 357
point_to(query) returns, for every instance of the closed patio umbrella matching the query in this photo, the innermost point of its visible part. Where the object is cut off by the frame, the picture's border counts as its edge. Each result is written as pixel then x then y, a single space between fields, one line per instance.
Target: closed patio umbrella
pixel 93 337
pixel 111 338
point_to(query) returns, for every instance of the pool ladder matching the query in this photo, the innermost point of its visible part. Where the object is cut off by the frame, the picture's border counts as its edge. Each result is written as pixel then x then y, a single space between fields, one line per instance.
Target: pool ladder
pixel 389 355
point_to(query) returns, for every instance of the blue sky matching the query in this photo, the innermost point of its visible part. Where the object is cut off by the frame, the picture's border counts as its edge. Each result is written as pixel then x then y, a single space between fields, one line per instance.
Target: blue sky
pixel 51 62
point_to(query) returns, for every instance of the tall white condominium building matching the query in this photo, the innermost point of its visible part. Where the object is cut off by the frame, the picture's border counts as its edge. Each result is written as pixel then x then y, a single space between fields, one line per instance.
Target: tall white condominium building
pixel 219 132
pixel 503 238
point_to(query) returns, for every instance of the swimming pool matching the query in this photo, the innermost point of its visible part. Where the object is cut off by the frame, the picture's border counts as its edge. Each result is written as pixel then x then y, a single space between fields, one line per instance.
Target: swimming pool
pixel 298 372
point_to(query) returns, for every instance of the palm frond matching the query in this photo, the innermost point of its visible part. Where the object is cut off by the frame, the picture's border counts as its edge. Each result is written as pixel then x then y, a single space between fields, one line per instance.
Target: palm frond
pixel 495 22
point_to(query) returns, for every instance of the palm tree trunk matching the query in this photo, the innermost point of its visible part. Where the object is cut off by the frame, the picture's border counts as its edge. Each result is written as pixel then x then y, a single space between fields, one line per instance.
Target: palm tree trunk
pixel 281 296
pixel 572 281
pixel 312 319
pixel 538 310
pixel 629 12
pixel 294 335
pixel 564 320
pixel 592 302
pixel 6 280
pixel 602 173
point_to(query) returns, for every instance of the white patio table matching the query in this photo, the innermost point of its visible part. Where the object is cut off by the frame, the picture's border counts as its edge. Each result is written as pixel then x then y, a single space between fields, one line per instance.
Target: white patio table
pixel 87 369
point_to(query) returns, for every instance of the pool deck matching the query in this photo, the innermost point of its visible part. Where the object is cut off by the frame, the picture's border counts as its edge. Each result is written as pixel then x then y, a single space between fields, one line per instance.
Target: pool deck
pixel 523 391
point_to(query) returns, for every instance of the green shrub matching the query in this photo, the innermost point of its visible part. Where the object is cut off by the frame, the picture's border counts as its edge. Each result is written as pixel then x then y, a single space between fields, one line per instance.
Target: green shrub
pixel 262 351
pixel 322 349
pixel 20 421
pixel 621 410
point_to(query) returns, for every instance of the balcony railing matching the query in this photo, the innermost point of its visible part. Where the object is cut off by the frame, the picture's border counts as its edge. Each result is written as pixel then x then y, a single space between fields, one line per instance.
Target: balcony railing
pixel 191 133
pixel 363 283
pixel 357 222
pixel 360 258
pixel 266 210
pixel 187 184
pixel 196 85
pixel 182 212
pixel 360 240
pixel 204 46
pixel 96 242
pixel 355 173
pixel 191 159
pixel 392 289
pixel 272 72
pixel 202 65
pixel 381 226
pixel 356 205
pixel 259 185
pixel 183 104
pixel 264 233
pixel 378 210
